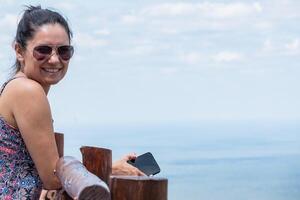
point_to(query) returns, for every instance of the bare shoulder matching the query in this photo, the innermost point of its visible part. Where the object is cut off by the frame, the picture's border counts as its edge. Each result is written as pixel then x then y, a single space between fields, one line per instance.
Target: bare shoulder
pixel 24 93
pixel 22 88
pixel 23 98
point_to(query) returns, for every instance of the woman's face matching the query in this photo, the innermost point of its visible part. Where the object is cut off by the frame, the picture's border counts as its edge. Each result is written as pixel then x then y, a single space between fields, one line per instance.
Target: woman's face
pixel 51 70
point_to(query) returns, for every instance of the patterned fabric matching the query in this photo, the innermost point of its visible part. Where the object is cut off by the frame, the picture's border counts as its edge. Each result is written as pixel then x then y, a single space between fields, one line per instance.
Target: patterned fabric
pixel 19 178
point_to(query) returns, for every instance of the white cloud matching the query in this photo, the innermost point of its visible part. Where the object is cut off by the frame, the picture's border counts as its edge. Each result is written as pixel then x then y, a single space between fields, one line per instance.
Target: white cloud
pixel 272 47
pixel 93 20
pixel 6 40
pixel 141 49
pixel 227 56
pixel 282 9
pixel 168 71
pixel 169 30
pixel 9 21
pixel 7 1
pixel 258 7
pixel 102 32
pixel 138 50
pixel 87 40
pixel 293 47
pixel 264 25
pixel 131 19
pixel 140 46
pixel 219 10
pixel 66 5
pixel 191 57
pixel 169 9
pixel 268 46
pixel 173 18
pixel 206 9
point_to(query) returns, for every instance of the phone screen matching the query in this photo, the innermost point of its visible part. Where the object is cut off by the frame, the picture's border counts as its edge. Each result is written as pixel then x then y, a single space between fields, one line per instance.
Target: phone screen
pixel 146 163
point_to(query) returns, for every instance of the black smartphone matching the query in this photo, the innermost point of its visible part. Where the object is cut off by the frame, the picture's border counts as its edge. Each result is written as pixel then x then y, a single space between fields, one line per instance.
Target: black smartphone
pixel 146 163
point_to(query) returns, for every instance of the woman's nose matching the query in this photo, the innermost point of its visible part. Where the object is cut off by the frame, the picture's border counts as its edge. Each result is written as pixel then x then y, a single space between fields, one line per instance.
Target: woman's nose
pixel 54 58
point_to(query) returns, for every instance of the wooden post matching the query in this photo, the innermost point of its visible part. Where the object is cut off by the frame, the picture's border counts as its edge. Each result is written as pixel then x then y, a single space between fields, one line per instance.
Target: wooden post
pixel 98 161
pixel 78 182
pixel 59 138
pixel 138 188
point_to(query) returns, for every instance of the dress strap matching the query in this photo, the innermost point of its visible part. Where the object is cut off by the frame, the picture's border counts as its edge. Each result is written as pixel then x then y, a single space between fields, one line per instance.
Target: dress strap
pixel 6 82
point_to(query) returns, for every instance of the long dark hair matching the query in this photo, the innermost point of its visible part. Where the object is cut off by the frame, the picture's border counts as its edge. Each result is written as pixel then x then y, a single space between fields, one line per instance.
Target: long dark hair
pixel 33 18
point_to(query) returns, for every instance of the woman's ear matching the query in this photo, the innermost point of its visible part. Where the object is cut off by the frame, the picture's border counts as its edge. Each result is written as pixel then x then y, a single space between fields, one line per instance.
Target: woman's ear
pixel 19 52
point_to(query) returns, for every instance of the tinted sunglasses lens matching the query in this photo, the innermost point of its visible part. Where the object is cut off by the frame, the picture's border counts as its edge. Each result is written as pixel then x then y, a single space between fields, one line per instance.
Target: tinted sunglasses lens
pixel 65 52
pixel 42 52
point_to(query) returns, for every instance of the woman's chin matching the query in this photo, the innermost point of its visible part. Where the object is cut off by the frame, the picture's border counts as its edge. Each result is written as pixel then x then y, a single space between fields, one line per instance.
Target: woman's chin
pixel 54 78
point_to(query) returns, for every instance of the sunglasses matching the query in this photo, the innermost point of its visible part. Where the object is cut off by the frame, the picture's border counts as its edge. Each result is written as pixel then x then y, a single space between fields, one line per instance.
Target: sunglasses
pixel 43 52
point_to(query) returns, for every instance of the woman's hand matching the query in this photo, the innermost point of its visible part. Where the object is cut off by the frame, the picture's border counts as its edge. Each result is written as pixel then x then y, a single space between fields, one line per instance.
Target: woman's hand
pixel 121 167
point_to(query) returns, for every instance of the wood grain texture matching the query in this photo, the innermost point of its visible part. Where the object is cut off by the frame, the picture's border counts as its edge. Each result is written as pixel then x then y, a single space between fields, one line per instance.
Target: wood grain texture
pixel 138 188
pixel 98 161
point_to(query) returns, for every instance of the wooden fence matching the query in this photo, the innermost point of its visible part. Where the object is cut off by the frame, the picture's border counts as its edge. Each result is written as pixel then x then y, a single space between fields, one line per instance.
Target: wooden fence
pixel 99 162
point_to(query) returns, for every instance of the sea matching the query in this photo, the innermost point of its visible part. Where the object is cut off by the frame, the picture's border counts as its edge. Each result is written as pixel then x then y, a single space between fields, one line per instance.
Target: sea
pixel 211 160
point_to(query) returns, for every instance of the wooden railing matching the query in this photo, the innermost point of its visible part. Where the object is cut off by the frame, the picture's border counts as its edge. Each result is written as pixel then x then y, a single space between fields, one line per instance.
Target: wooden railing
pixel 99 162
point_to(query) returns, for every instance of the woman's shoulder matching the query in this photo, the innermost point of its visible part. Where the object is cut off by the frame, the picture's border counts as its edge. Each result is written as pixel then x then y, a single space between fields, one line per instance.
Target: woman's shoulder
pixel 22 92
pixel 22 87
pixel 18 95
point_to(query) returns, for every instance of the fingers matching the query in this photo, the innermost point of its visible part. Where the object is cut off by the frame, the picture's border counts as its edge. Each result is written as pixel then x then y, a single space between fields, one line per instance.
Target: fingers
pixel 121 167
pixel 130 156
pixel 135 171
pixel 140 173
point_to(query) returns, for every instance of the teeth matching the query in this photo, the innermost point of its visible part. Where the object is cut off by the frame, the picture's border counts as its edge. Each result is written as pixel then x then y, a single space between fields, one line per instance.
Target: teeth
pixel 51 70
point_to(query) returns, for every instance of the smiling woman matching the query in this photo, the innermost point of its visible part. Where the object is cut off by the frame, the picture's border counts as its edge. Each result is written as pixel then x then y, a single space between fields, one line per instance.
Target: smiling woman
pixel 28 152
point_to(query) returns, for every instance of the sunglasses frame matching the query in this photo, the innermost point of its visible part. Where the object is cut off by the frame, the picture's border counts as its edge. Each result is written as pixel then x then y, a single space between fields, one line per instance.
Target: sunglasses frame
pixel 40 56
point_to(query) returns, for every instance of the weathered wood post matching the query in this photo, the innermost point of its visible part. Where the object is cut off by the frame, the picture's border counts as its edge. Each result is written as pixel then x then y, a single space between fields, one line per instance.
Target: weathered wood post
pixel 138 188
pixel 78 182
pixel 59 138
pixel 98 161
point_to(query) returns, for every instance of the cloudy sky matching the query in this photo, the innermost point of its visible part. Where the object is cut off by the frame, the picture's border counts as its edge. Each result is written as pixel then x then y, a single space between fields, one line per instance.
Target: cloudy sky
pixel 161 61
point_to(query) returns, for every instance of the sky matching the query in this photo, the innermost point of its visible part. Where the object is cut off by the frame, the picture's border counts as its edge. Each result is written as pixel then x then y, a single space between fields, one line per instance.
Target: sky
pixel 141 62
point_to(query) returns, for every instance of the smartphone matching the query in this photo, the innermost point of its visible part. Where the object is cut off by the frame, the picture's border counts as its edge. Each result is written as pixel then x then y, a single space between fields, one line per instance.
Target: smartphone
pixel 146 163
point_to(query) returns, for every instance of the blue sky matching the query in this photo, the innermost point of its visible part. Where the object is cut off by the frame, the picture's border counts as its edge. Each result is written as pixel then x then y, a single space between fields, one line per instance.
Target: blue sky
pixel 165 61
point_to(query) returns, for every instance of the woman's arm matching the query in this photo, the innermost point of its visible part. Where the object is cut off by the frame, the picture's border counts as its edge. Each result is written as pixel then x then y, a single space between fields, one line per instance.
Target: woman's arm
pixel 31 111
pixel 121 167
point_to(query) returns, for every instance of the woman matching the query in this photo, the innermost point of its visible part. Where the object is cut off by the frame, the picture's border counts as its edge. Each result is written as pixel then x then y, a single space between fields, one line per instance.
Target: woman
pixel 28 152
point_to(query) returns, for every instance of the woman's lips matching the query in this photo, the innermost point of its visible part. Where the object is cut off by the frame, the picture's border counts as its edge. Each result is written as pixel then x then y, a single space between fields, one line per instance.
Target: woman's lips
pixel 51 70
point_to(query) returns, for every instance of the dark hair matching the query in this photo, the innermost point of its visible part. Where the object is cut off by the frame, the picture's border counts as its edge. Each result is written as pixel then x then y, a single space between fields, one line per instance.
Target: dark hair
pixel 33 18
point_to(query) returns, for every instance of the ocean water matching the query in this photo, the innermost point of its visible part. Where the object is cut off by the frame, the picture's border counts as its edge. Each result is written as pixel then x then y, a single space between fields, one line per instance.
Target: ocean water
pixel 236 160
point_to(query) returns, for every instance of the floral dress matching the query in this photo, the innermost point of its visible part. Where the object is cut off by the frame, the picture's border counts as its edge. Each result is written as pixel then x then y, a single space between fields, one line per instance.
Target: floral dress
pixel 19 178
